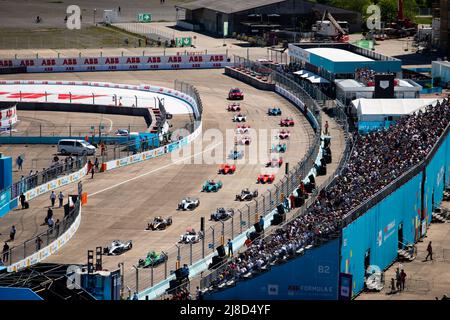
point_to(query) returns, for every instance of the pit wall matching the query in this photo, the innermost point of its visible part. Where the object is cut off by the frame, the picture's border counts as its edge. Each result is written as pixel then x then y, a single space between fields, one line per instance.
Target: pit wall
pixel 314 276
pixel 377 229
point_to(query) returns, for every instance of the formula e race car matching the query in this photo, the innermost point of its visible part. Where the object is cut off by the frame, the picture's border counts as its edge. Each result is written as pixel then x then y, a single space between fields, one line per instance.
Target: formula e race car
pixel 240 118
pixel 274 111
pixel 246 195
pixel 152 259
pixel 189 204
pixel 222 214
pixel 117 247
pixel 235 94
pixel 191 236
pixel 244 140
pixel 211 186
pixel 265 178
pixel 227 168
pixel 279 148
pixel 234 154
pixel 122 132
pixel 234 107
pixel 284 134
pixel 274 162
pixel 159 223
pixel 288 122
pixel 242 129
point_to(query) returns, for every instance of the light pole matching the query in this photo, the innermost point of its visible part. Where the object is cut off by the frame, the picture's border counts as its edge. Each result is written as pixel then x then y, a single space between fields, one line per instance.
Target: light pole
pixel 95 11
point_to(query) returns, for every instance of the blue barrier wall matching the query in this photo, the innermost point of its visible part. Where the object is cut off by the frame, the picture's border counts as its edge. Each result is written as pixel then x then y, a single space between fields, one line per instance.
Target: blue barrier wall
pixel 378 229
pixel 9 293
pixel 313 276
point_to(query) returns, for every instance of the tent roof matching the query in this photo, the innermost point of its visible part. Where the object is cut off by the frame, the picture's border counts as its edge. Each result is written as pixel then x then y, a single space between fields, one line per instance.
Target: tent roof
pixel 390 106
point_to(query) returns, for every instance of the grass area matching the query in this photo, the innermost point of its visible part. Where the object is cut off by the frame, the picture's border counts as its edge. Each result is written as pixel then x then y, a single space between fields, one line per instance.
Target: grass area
pixel 61 38
pixel 423 20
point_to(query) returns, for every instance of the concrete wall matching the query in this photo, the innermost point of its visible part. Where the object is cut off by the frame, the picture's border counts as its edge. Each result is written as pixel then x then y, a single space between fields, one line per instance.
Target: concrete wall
pixel 253 81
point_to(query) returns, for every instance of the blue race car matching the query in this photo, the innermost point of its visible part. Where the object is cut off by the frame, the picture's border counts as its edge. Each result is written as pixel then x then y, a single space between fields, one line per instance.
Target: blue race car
pixel 234 154
pixel 211 186
pixel 274 111
pixel 279 148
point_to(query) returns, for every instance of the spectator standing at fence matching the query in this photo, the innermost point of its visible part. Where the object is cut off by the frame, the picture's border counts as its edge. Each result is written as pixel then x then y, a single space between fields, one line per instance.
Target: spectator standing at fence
pixel 12 233
pixel 22 200
pixel 53 198
pixel 430 252
pixel 57 226
pixel 19 162
pixel 397 279
pixel 230 247
pixel 96 163
pixel 403 279
pixel 38 242
pixel 5 252
pixel 61 199
pixel 102 148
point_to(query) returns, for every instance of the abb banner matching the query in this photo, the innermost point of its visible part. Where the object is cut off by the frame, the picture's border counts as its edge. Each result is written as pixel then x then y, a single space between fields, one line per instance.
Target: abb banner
pixel 8 117
pixel 119 63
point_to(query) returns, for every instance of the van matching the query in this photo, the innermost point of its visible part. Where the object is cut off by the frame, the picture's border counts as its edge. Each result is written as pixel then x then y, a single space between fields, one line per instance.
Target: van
pixel 73 146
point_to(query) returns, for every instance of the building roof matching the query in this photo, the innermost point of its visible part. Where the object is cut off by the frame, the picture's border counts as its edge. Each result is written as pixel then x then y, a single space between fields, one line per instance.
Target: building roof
pixel 338 55
pixel 390 106
pixel 228 6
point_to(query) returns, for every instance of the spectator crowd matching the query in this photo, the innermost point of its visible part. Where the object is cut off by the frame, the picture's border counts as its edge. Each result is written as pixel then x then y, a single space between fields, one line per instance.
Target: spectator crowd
pixel 377 159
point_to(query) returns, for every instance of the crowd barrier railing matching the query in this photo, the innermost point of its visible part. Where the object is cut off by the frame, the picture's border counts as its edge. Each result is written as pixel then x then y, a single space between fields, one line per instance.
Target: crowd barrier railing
pixel 45 243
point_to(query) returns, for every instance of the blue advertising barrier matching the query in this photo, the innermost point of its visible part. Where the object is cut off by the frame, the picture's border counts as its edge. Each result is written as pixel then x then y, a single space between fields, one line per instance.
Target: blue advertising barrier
pixel 313 276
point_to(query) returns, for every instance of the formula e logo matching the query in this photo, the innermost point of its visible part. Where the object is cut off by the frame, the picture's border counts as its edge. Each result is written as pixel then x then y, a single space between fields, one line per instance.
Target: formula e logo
pixel 373 280
pixel 384 84
pixel 74 17
pixel 374 20
pixel 73 275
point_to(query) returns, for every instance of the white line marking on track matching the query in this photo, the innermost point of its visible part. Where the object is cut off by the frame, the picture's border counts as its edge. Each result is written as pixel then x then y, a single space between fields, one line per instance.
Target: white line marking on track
pixel 154 170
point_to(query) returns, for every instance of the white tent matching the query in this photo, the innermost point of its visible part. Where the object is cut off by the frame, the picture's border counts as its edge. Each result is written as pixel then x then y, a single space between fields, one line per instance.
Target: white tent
pixel 372 110
pixel 312 77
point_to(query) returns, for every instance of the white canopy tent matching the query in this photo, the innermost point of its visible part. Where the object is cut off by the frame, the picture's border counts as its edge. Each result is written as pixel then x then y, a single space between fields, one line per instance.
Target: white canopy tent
pixel 311 77
pixel 374 110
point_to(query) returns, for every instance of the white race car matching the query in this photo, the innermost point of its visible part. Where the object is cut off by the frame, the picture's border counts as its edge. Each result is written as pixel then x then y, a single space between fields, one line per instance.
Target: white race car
pixel 222 214
pixel 117 247
pixel 244 140
pixel 191 236
pixel 240 118
pixel 122 132
pixel 189 204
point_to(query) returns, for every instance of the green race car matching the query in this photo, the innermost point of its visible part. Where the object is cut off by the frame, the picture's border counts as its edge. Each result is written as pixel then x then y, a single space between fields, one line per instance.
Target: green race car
pixel 152 259
pixel 211 186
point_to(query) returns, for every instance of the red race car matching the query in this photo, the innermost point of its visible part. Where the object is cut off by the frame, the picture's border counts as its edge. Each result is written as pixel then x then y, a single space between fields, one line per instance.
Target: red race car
pixel 235 94
pixel 242 129
pixel 284 134
pixel 226 168
pixel 275 163
pixel 234 107
pixel 266 178
pixel 288 122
